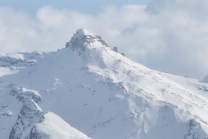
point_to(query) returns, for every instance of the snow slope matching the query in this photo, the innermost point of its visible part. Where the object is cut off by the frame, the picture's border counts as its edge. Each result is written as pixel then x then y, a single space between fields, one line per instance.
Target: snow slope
pixel 193 85
pixel 53 127
pixel 102 94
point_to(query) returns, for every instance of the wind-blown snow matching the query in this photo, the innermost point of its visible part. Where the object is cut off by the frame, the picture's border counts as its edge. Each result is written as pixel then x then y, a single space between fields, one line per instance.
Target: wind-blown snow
pixel 6 71
pixel 83 31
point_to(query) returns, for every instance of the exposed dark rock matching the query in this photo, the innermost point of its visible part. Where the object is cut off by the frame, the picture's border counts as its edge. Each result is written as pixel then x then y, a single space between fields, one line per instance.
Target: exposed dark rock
pixel 29 115
pixel 115 49
pixel 81 39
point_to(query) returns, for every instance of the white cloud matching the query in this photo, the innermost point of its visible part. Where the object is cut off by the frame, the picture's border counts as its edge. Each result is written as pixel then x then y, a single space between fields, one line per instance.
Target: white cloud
pixel 169 35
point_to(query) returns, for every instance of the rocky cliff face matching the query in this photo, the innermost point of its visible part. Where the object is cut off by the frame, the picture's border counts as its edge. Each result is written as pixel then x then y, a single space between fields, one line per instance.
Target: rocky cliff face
pixel 29 115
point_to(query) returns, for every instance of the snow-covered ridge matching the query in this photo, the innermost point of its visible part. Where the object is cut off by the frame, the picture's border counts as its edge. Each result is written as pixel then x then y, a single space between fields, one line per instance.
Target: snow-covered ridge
pixel 53 127
pixel 23 94
pixel 20 59
pixel 32 123
pixel 193 85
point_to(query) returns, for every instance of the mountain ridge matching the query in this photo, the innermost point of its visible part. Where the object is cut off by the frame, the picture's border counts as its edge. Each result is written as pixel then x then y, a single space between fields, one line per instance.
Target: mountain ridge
pixel 106 95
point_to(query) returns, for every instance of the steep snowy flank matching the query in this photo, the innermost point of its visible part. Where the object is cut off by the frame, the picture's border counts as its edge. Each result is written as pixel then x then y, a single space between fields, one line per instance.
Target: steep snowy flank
pixel 53 127
pixel 102 94
pixel 193 85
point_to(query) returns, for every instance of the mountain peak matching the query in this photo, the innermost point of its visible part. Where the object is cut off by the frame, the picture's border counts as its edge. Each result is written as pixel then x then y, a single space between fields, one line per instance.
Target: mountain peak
pixel 83 31
pixel 83 38
pixel 205 79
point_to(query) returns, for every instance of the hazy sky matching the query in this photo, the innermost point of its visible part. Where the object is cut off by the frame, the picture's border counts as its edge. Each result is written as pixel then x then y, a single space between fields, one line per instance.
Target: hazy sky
pixel 168 35
pixel 92 7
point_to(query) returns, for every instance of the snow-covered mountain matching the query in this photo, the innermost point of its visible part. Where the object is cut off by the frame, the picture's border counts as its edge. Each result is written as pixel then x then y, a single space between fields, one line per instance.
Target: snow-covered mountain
pixel 89 87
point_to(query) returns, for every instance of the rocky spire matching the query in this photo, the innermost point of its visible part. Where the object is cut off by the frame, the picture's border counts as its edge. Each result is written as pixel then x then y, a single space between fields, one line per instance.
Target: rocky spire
pixel 205 79
pixel 82 38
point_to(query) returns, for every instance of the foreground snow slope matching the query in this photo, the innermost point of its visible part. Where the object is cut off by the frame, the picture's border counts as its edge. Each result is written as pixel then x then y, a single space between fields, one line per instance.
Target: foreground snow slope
pixel 101 93
pixel 53 127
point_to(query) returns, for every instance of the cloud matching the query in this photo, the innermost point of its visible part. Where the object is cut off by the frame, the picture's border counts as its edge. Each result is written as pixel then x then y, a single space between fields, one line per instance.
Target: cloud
pixel 184 31
pixel 169 35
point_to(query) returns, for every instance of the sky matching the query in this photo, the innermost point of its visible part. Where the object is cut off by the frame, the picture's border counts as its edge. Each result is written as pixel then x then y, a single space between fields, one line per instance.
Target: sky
pixel 166 35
